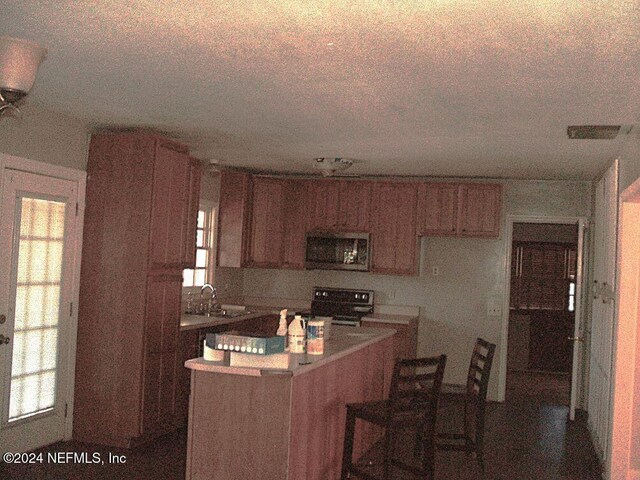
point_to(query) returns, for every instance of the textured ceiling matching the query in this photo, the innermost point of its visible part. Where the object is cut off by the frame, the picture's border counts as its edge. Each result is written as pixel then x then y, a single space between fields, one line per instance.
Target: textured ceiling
pixel 432 87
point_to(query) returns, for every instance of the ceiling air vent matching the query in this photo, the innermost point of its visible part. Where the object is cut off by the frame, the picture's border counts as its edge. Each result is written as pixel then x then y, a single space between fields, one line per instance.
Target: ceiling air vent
pixel 593 132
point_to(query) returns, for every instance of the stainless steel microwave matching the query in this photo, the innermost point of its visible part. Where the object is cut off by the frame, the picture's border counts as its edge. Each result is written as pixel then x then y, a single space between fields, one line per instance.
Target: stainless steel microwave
pixel 337 251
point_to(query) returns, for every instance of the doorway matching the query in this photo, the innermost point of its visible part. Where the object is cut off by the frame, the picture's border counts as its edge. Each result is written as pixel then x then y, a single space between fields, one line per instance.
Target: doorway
pixel 541 312
pixel 542 315
pixel 39 238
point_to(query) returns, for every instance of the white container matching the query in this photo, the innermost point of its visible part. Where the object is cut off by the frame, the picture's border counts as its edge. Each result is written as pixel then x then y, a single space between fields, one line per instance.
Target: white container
pixel 212 355
pixel 296 335
pixel 315 337
pixel 327 326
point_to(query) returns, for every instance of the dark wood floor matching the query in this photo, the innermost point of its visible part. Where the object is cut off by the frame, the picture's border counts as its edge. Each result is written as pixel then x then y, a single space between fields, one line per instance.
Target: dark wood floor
pixel 526 439
pixel 541 387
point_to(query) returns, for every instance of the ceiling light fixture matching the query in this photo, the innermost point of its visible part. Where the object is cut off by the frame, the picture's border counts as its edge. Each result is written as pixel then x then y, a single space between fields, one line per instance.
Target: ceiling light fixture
pixel 328 166
pixel 19 61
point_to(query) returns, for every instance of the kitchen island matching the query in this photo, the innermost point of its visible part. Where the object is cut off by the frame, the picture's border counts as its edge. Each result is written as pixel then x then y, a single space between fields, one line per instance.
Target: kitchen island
pixel 285 424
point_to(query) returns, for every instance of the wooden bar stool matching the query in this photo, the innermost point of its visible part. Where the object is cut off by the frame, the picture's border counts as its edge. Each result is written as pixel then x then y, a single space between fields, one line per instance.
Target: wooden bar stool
pixel 412 404
pixel 471 440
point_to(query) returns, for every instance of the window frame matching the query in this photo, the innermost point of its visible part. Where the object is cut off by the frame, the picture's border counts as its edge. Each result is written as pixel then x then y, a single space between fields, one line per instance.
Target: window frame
pixel 209 232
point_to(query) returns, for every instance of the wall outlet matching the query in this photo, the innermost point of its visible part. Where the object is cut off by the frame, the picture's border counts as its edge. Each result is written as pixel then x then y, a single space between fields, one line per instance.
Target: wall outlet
pixel 435 271
pixel 392 294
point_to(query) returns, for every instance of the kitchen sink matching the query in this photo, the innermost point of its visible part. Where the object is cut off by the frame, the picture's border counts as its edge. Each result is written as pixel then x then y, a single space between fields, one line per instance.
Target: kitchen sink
pixel 225 314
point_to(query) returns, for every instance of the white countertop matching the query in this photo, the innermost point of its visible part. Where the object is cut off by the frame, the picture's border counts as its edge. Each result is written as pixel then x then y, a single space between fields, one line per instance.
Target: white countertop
pixel 343 341
pixel 389 318
pixel 193 322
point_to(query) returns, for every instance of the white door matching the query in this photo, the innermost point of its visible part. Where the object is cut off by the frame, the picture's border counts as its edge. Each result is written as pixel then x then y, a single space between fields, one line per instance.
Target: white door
pixel 603 308
pixel 38 222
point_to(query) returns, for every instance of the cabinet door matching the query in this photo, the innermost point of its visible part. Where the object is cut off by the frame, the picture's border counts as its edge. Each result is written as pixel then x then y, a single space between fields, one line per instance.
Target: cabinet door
pixel 480 207
pixel 232 218
pixel 296 213
pixel 170 184
pixel 393 233
pixel 162 313
pixel 404 340
pixel 189 347
pixel 190 214
pixel 265 248
pixel 437 209
pixel 323 207
pixel 160 410
pixel 354 206
pixel 162 325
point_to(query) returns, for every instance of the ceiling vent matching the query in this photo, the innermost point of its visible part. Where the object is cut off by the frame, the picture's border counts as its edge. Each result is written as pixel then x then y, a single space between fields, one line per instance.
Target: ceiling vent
pixel 593 132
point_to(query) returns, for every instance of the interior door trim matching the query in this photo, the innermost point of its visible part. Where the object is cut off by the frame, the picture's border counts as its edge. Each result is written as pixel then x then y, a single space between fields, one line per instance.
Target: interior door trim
pixel 11 162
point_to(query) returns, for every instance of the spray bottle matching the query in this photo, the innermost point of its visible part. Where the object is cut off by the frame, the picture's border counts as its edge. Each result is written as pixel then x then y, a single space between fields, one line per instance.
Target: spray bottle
pixel 282 328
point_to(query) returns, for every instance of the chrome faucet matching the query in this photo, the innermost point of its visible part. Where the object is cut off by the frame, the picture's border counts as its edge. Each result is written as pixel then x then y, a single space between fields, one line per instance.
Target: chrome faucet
pixel 212 304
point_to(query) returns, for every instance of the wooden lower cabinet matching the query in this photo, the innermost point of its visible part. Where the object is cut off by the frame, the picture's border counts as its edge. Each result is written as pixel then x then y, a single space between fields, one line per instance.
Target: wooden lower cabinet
pixel 405 341
pixel 190 346
pixel 282 426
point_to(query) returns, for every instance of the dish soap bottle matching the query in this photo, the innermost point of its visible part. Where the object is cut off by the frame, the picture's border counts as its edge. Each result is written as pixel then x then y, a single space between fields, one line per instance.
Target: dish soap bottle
pixel 296 335
pixel 282 328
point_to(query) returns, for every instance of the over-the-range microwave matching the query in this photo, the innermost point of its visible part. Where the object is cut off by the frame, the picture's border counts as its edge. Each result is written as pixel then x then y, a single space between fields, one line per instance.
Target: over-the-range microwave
pixel 337 251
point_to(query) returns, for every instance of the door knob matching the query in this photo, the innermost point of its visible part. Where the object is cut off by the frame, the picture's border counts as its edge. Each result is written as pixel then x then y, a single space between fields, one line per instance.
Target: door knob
pixel 4 339
pixel 574 339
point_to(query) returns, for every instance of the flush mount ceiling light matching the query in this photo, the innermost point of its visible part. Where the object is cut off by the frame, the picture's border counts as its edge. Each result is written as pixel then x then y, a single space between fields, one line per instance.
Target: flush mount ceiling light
pixel 593 132
pixel 329 166
pixel 19 61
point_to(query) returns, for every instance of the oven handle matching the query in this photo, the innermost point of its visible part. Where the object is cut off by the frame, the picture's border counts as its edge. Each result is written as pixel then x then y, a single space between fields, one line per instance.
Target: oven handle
pixel 348 323
pixel 362 309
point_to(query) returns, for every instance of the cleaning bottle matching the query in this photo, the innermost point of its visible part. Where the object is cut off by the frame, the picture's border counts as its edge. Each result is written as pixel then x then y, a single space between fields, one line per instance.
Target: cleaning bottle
pixel 296 335
pixel 282 328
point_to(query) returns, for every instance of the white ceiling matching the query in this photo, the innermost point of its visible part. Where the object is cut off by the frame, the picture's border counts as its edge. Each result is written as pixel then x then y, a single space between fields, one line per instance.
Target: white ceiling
pixel 431 87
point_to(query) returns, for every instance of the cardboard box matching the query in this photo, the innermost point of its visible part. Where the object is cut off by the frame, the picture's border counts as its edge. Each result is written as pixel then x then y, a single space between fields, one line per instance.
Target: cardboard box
pixel 237 342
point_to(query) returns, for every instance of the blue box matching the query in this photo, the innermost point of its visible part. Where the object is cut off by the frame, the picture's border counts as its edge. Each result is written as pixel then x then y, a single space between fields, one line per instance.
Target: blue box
pixel 234 341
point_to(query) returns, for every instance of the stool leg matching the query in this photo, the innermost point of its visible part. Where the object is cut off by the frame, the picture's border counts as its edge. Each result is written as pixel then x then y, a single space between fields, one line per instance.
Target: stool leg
pixel 388 452
pixel 347 452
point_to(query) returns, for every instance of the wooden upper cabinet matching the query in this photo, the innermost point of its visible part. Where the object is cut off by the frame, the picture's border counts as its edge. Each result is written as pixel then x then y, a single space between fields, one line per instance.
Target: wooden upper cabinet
pixel 339 205
pixel 265 247
pixel 233 217
pixel 170 196
pixel 480 210
pixel 295 218
pixel 354 205
pixel 393 229
pixel 323 204
pixel 437 209
pixel 190 217
pixel 459 209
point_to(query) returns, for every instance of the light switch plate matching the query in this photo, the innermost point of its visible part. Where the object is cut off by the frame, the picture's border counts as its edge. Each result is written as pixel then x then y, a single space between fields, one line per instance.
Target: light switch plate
pixel 494 307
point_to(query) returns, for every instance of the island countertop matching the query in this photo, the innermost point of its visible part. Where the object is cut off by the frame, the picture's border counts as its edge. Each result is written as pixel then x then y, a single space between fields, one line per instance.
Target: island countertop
pixel 285 424
pixel 344 341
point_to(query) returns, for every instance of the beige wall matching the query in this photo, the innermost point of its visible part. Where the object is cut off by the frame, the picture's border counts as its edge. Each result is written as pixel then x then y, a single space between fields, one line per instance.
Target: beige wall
pixel 46 137
pixel 630 159
pixel 453 305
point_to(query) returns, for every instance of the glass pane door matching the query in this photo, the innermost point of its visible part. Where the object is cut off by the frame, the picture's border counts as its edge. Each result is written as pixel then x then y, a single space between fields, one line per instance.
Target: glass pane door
pixel 40 244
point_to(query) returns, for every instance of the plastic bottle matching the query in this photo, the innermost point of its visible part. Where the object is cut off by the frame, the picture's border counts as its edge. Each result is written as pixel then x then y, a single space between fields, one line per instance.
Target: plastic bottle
pixel 296 335
pixel 315 337
pixel 282 328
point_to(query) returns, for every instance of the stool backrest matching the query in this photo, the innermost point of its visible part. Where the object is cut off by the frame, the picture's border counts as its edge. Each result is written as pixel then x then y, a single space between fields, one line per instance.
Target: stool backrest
pixel 477 386
pixel 416 383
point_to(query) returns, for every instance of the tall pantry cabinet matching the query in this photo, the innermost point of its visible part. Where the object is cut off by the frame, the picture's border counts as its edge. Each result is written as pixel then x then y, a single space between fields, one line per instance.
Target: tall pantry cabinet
pixel 142 191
